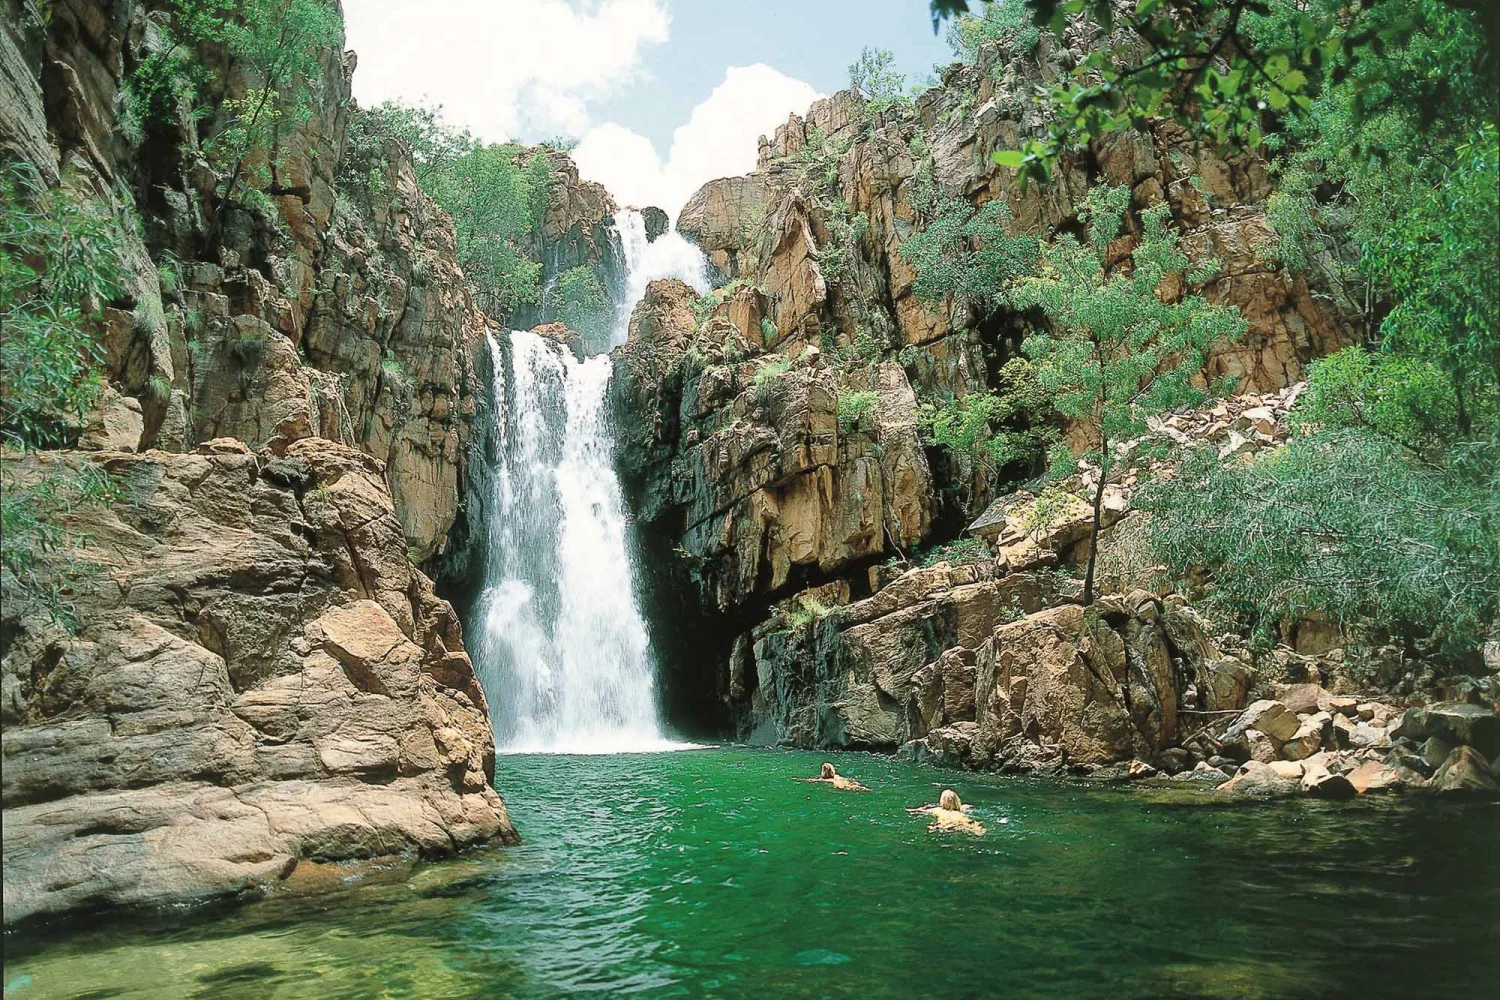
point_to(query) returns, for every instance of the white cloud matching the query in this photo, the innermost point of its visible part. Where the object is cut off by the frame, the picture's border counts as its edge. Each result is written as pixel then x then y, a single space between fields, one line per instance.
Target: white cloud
pixel 500 67
pixel 719 140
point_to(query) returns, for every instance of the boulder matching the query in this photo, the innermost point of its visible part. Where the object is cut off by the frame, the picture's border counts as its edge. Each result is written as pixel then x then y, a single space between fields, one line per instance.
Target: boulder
pixel 266 680
pixel 1258 780
pixel 1319 781
pixel 1376 776
pixel 1140 769
pixel 1291 769
pixel 1309 737
pixel 1304 699
pixel 1435 751
pixel 1261 746
pixel 1269 717
pixel 1455 722
pixel 1465 773
pixel 656 222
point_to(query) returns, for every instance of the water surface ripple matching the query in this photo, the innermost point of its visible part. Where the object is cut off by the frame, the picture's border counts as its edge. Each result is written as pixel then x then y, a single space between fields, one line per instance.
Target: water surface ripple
pixel 712 873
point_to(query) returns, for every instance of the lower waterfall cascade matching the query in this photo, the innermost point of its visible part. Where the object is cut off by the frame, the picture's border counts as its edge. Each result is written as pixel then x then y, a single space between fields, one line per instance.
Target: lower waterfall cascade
pixel 559 641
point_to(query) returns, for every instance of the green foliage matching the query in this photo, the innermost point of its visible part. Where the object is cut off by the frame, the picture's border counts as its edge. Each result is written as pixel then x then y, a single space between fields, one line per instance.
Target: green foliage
pixel 808 610
pixel 854 407
pixel 1238 70
pixel 1006 23
pixel 1438 258
pixel 770 371
pixel 959 552
pixel 767 373
pixel 768 331
pixel 1409 401
pixel 393 372
pixel 583 305
pixel 875 76
pixel 275 43
pixel 969 253
pixel 817 163
pixel 842 252
pixel 495 194
pixel 1347 525
pixel 31 515
pixel 1113 352
pixel 58 267
pixel 995 432
pixel 869 347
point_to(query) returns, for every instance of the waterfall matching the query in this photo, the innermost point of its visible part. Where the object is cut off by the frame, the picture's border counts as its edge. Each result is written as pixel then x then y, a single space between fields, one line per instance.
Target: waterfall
pixel 670 255
pixel 561 648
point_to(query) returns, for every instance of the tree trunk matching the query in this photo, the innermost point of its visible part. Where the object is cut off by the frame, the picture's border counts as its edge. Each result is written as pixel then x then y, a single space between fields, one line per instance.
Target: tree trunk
pixel 1088 576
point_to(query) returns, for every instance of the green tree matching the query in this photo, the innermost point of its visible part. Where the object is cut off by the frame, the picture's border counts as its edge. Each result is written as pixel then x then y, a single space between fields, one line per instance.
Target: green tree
pixel 1229 70
pixel 58 267
pixel 1005 23
pixel 1345 524
pixel 971 254
pixel 1437 258
pixel 495 193
pixel 583 305
pixel 276 44
pixel 1113 351
pixel 874 75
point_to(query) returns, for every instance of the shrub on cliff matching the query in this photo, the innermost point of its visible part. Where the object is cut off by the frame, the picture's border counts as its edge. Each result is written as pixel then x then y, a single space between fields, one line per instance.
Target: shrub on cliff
pixel 1345 524
pixel 275 44
pixel 1113 352
pixel 583 305
pixel 495 194
pixel 58 267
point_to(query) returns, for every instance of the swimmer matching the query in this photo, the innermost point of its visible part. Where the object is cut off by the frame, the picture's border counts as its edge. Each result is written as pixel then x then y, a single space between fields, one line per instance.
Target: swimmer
pixel 948 815
pixel 828 775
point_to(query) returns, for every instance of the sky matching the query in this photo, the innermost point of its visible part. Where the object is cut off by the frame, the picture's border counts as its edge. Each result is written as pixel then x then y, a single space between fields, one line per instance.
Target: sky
pixel 662 95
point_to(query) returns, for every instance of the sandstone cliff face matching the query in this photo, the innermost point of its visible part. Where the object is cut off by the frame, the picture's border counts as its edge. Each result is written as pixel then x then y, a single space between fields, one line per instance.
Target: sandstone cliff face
pixel 764 484
pixel 259 678
pixel 769 484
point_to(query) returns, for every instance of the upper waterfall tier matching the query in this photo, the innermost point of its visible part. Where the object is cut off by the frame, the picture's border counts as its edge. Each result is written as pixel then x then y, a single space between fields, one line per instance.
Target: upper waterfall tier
pixel 670 255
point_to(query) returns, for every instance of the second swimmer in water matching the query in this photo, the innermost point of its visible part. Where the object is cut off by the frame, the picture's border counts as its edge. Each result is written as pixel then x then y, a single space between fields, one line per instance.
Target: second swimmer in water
pixel 828 775
pixel 948 815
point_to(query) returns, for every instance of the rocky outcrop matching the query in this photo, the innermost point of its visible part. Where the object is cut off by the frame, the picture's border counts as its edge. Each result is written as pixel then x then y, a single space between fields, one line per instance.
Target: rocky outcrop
pixel 255 674
pixel 657 222
pixel 259 677
pixel 748 448
pixel 772 479
pixel 724 217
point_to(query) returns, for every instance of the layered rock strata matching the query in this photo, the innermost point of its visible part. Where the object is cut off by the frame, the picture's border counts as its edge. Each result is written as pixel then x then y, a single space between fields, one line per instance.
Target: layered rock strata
pixel 259 677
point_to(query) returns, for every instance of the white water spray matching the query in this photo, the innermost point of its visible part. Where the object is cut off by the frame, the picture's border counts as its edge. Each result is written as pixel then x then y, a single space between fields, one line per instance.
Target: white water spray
pixel 562 648
pixel 670 255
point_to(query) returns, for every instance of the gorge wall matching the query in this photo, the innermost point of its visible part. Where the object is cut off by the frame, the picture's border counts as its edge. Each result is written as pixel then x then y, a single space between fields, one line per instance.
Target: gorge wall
pixel 254 674
pixel 775 449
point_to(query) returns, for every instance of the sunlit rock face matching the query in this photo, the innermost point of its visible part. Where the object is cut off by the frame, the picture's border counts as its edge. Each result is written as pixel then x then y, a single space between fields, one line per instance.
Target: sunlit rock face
pixel 759 487
pixel 259 676
pixel 260 673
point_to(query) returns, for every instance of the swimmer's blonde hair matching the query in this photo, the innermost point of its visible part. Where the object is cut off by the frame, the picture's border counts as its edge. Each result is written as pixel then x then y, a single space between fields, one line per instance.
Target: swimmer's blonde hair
pixel 949 800
pixel 827 771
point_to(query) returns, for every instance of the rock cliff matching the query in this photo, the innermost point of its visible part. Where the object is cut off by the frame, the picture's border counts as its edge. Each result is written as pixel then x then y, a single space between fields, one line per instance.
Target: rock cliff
pixel 253 673
pixel 258 677
pixel 775 446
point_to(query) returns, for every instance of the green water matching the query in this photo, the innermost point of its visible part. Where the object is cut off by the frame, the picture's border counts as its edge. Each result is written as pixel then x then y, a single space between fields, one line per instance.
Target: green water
pixel 711 873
